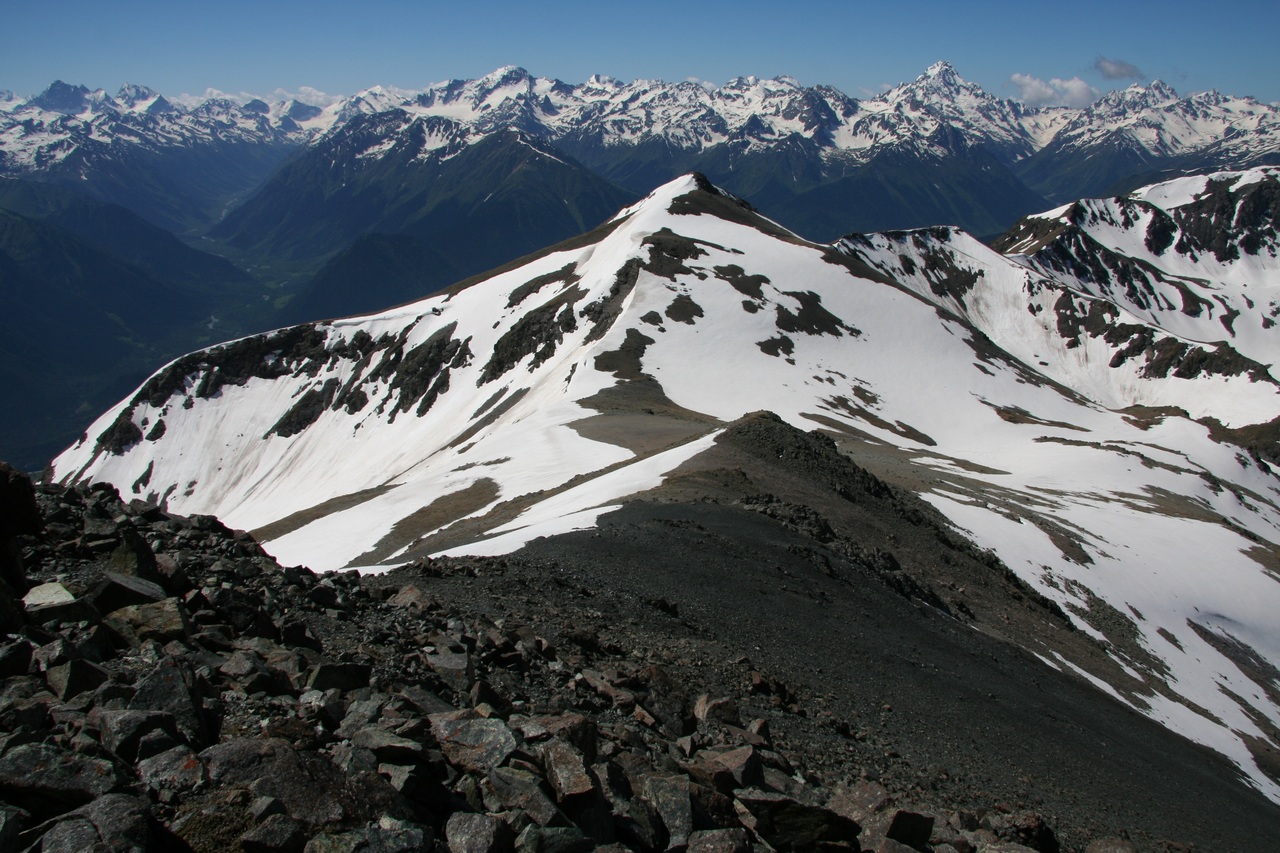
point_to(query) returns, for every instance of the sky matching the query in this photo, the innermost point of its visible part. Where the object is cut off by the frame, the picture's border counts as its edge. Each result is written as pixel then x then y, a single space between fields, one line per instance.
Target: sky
pixel 1039 52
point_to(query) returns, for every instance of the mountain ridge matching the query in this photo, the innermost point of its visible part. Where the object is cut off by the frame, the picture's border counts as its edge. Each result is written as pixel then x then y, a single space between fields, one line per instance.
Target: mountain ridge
pixel 531 402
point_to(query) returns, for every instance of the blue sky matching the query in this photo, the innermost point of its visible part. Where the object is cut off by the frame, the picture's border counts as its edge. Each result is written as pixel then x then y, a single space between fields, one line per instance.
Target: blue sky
pixel 1042 51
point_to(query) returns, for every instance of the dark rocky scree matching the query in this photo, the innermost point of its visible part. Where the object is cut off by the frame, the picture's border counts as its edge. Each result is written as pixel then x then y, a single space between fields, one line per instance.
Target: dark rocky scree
pixel 170 687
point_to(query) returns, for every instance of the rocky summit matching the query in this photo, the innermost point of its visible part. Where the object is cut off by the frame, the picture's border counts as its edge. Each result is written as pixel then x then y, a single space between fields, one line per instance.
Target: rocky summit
pixel 169 686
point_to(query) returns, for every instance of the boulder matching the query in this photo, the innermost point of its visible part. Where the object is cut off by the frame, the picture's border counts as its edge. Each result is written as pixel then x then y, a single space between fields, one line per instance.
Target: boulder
pixel 114 823
pixel 12 821
pixel 174 771
pixel 74 677
pixel 727 771
pixel 477 833
pixel 166 689
pixel 472 742
pixel 53 602
pixel 339 676
pixel 277 834
pixel 719 841
pixel 121 731
pixel 311 788
pixel 118 590
pixel 566 771
pixel 787 824
pixel 47 780
pixel 161 621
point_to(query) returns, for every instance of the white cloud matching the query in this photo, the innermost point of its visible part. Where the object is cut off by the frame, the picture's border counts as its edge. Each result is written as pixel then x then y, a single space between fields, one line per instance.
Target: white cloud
pixel 1117 69
pixel 188 100
pixel 1057 92
pixel 305 95
pixel 706 84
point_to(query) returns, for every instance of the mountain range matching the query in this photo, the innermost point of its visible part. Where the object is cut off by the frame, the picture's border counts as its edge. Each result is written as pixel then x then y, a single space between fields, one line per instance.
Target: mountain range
pixel 298 211
pixel 1088 411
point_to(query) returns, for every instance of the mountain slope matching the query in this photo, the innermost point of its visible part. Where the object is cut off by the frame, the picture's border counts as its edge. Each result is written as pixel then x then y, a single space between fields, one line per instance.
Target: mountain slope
pixel 96 298
pixel 475 201
pixel 1144 129
pixel 178 168
pixel 117 231
pixel 534 400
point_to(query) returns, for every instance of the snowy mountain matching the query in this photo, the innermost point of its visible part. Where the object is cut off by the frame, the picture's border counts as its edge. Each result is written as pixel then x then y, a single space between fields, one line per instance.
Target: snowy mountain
pixel 1080 428
pixel 175 166
pixel 936 150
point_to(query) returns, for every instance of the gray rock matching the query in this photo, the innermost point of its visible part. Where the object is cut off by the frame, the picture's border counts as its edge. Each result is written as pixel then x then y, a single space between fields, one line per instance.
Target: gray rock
pixel 720 841
pixel 15 658
pixel 412 597
pixel 571 727
pixel 312 789
pixel 166 689
pixel 46 594
pixel 339 676
pixel 71 835
pixel 721 709
pixel 477 833
pixel 12 821
pixel 566 771
pixel 47 780
pixel 53 602
pixel 277 834
pixel 508 788
pixel 161 621
pixel 74 677
pixel 669 796
pixel 121 731
pixel 455 668
pixel 425 701
pixel 117 590
pixel 134 557
pixel 910 828
pixel 122 821
pixel 177 770
pixel 472 742
pixel 791 825
pixel 860 802
pixel 390 835
pixel 728 771
pixel 554 839
pixel 388 746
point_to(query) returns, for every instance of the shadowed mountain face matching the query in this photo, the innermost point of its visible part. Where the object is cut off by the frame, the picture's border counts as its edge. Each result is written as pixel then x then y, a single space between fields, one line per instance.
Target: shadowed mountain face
pixel 1028 447
pixel 96 298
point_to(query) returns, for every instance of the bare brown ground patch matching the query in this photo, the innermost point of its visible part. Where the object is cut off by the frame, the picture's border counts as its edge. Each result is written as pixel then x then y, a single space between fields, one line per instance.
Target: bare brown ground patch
pixel 1266 555
pixel 303 517
pixel 642 434
pixel 1015 415
pixel 420 523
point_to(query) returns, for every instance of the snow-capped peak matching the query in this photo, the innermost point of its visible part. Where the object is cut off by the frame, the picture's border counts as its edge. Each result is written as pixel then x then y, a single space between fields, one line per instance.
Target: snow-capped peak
pixel 1044 415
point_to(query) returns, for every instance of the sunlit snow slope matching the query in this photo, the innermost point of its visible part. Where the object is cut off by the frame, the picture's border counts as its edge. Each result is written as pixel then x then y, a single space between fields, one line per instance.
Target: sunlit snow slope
pixel 531 402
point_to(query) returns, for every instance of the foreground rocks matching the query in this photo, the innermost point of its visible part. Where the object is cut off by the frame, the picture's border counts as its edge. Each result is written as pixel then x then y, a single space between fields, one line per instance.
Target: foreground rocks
pixel 168 686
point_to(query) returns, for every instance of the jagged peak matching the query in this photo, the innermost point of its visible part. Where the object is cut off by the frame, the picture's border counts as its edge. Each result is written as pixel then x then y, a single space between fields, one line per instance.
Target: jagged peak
pixel 1157 93
pixel 503 76
pixel 132 93
pixel 62 97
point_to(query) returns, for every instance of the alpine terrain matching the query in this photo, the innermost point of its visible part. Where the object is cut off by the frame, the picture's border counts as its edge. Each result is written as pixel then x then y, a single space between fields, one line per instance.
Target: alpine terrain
pixel 379 198
pixel 1064 444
